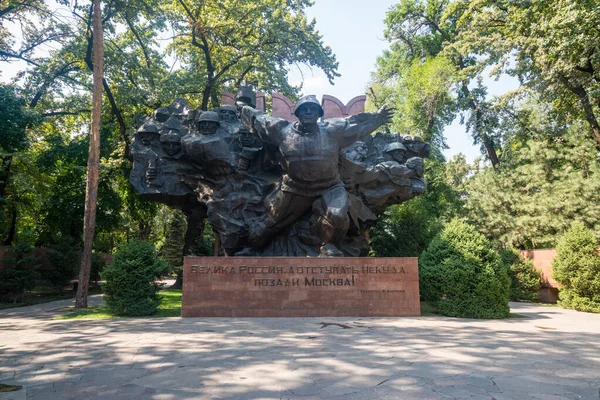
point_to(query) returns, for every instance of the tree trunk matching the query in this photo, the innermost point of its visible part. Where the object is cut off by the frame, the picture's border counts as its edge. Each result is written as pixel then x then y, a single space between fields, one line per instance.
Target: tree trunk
pixel 178 281
pixel 13 227
pixel 93 167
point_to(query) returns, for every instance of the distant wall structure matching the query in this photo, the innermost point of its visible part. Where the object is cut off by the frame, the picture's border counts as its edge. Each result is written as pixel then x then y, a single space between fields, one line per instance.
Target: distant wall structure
pixel 542 261
pixel 334 108
pixel 284 108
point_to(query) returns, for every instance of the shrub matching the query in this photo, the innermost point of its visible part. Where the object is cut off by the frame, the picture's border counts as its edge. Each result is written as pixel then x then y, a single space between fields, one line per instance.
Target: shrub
pixel 64 258
pixel 463 274
pixel 525 280
pixel 577 268
pixel 130 288
pixel 19 274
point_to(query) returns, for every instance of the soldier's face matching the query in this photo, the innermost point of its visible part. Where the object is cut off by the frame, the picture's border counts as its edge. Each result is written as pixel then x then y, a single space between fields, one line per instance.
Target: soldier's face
pixel 171 146
pixel 208 127
pixel 227 115
pixel 308 114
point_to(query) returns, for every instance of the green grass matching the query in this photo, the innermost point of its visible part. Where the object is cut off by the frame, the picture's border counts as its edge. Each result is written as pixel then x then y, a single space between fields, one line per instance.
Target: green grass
pixel 170 306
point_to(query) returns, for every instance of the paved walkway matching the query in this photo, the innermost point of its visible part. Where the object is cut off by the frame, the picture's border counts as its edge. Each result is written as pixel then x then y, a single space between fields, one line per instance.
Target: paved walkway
pixel 551 354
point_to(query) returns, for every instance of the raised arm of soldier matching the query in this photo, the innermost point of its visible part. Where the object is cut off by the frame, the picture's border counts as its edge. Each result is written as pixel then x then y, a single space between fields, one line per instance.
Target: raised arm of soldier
pixel 355 127
pixel 269 128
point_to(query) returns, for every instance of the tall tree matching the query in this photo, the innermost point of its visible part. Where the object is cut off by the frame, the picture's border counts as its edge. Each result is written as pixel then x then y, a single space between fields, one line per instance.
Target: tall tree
pixel 220 43
pixel 551 46
pixel 91 193
pixel 422 30
pixel 544 185
pixel 14 119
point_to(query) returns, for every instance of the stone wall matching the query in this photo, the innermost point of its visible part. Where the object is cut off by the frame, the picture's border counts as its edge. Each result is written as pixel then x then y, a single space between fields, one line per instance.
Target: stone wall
pixel 542 261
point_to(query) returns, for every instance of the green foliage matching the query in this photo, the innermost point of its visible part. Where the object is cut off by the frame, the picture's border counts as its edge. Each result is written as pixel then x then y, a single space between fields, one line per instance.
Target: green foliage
pixel 542 187
pixel 525 280
pixel 130 287
pixel 64 257
pixel 549 45
pixel 172 251
pixel 226 41
pixel 97 266
pixel 577 268
pixel 463 274
pixel 205 245
pixel 14 119
pixel 19 273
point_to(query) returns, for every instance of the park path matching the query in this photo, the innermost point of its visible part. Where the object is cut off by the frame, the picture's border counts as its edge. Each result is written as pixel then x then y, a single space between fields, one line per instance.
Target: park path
pixel 549 354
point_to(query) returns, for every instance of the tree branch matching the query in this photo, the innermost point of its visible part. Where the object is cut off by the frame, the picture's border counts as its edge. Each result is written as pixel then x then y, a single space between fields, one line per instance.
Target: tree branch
pixel 144 50
pixel 590 117
pixel 61 113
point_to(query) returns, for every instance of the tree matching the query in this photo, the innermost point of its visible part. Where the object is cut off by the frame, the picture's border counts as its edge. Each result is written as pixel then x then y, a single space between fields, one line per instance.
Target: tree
pixel 91 192
pixel 577 268
pixel 130 288
pixel 422 32
pixel 172 250
pixel 64 258
pixel 551 46
pixel 14 119
pixel 221 43
pixel 19 274
pixel 525 280
pixel 544 185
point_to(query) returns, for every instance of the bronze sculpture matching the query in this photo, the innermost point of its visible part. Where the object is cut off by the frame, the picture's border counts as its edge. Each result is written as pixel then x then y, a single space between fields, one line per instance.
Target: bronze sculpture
pixel 271 187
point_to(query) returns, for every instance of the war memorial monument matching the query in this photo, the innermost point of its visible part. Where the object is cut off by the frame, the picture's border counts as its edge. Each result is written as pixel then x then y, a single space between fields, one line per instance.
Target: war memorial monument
pixel 290 202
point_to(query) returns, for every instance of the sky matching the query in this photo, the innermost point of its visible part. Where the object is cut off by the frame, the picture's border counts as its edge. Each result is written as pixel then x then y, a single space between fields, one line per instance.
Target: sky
pixel 354 31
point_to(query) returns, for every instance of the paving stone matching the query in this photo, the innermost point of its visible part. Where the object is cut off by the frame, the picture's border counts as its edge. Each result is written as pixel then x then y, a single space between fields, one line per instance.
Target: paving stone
pixel 379 358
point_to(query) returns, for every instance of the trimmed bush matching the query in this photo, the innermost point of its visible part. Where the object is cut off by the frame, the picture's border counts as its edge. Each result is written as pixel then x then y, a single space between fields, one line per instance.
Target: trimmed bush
pixel 525 280
pixel 463 275
pixel 19 274
pixel 577 268
pixel 130 288
pixel 64 258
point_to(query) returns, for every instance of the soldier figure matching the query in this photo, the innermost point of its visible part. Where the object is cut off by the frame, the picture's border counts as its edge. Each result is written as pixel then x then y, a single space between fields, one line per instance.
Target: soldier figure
pixel 309 153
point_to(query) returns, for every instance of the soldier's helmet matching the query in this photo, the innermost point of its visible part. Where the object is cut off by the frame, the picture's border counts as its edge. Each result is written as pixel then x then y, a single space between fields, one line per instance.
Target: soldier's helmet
pixel 246 95
pixel 172 124
pixel 209 116
pixel 162 114
pixel 148 127
pixel 310 99
pixel 395 146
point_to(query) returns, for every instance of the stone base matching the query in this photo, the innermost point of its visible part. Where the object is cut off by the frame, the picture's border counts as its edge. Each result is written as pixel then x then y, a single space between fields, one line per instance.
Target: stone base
pixel 300 287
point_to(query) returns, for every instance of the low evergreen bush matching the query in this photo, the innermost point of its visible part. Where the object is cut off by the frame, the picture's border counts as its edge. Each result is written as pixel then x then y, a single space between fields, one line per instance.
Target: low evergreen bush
pixel 463 275
pixel 19 274
pixel 130 288
pixel 525 280
pixel 577 268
